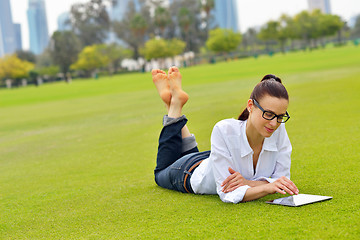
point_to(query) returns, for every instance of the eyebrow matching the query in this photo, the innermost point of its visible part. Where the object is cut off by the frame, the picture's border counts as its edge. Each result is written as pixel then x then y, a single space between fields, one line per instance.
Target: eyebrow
pixel 283 114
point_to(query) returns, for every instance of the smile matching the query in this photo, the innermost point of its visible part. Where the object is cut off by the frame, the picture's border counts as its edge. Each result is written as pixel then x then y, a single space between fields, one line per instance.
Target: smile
pixel 269 130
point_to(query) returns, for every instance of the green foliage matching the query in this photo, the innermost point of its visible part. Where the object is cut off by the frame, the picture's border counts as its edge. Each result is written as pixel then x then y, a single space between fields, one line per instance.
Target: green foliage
pixel 223 40
pixel 160 48
pixel 51 71
pixel 90 21
pixel 185 18
pixel 270 31
pixel 356 30
pixel 133 28
pixel 14 68
pixel 192 25
pixel 77 160
pixel 162 19
pixel 26 55
pixel 91 58
pixel 64 49
pixel 116 54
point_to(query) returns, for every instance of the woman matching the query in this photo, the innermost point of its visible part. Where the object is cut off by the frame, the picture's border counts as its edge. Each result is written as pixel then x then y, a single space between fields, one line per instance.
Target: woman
pixel 249 157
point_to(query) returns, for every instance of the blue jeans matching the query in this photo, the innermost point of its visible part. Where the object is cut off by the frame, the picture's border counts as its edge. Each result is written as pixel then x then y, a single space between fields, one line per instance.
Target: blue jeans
pixel 173 165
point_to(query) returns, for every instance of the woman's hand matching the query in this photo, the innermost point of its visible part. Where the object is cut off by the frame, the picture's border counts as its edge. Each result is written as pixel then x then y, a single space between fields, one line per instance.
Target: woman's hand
pixel 233 181
pixel 283 185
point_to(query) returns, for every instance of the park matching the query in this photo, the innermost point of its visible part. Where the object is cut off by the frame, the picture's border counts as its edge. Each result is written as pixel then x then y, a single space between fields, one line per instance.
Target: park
pixel 77 159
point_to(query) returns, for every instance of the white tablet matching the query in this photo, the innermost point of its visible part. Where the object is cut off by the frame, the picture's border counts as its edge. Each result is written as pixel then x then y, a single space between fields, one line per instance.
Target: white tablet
pixel 299 200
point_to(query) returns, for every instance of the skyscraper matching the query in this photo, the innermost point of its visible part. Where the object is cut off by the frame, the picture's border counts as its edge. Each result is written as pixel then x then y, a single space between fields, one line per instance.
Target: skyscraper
pixel 7 29
pixel 38 28
pixel 323 5
pixel 226 14
pixel 18 37
pixel 62 22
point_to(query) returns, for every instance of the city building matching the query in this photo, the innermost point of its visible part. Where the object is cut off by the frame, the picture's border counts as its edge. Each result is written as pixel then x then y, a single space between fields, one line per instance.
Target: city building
pixel 18 37
pixel 352 21
pixel 63 22
pixel 226 14
pixel 323 5
pixel 7 29
pixel 38 27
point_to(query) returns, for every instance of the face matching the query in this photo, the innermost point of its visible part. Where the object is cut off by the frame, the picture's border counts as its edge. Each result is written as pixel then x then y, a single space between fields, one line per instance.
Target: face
pixel 272 104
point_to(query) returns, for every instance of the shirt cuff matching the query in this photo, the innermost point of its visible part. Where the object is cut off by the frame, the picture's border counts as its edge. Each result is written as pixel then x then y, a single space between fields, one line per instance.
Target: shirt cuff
pixel 270 180
pixel 235 196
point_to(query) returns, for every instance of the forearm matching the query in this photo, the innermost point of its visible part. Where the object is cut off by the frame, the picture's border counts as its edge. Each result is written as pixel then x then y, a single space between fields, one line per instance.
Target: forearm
pixel 255 193
pixel 255 183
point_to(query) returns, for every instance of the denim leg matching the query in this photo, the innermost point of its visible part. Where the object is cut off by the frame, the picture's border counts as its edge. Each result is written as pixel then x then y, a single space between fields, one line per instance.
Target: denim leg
pixel 173 176
pixel 170 145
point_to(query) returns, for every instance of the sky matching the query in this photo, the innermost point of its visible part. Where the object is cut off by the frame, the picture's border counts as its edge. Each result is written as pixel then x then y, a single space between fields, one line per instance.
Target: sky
pixel 251 12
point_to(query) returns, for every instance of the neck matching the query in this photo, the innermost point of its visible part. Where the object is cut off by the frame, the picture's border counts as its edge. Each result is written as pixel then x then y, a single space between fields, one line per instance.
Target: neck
pixel 254 138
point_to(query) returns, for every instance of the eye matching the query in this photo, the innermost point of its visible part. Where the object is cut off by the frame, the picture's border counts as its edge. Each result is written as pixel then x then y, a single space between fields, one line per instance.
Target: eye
pixel 268 114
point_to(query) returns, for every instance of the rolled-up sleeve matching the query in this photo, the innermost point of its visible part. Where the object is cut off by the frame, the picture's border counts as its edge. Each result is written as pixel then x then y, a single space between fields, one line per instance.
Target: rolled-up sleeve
pixel 221 161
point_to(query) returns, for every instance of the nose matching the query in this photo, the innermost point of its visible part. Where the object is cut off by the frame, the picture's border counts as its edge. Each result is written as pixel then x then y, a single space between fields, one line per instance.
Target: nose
pixel 273 122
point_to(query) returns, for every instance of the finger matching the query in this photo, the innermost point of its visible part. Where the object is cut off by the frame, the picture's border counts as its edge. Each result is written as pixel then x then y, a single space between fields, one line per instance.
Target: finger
pixel 229 185
pixel 294 187
pixel 278 190
pixel 228 179
pixel 290 186
pixel 232 189
pixel 286 189
pixel 231 170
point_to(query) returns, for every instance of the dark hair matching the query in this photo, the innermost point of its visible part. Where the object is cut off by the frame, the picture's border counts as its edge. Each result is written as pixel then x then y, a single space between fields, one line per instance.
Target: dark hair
pixel 269 85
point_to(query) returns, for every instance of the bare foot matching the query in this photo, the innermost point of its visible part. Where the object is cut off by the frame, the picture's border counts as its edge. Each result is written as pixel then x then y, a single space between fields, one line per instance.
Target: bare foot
pixel 178 95
pixel 161 82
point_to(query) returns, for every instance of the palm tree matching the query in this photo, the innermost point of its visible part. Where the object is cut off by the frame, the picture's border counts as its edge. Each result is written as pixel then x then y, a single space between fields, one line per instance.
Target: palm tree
pixel 162 19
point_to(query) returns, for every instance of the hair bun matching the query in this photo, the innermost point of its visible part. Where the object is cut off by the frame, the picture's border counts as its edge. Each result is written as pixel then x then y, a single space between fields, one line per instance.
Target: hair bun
pixel 271 77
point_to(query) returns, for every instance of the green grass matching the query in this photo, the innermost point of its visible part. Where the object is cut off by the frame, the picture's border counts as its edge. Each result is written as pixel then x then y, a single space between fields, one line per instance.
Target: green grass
pixel 77 160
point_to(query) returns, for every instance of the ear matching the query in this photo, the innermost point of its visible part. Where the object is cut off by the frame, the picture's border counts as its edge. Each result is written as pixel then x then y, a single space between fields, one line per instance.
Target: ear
pixel 250 105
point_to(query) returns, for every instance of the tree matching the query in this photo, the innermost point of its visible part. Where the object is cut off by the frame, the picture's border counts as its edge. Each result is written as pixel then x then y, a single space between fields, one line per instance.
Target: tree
pixel 223 40
pixel 49 72
pixel 304 26
pixel 116 54
pixel 162 19
pixel 11 67
pixel 330 25
pixel 355 32
pixel 187 19
pixel 91 58
pixel 26 55
pixel 133 28
pixel 207 6
pixel 269 32
pixel 64 49
pixel 250 39
pixel 90 21
pixel 158 48
pixel 288 28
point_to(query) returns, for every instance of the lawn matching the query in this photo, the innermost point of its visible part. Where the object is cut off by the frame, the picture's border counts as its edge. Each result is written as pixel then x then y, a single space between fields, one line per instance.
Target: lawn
pixel 77 160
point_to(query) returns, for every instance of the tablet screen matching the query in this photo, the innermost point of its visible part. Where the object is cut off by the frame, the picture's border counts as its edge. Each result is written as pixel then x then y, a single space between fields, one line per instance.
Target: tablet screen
pixel 299 200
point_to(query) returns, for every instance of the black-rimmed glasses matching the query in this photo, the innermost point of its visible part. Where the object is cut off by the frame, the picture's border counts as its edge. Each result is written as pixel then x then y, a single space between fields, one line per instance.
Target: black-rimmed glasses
pixel 282 118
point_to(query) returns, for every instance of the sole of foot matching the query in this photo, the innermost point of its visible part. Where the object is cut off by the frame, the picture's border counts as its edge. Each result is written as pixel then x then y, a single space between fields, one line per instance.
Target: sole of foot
pixel 175 86
pixel 161 82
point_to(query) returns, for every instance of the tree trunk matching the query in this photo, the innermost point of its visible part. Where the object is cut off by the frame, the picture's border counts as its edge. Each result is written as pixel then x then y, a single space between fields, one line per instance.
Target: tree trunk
pixel 8 83
pixel 23 82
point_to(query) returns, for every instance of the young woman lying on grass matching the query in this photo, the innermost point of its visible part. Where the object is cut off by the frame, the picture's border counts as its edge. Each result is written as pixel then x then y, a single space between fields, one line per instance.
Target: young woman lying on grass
pixel 249 157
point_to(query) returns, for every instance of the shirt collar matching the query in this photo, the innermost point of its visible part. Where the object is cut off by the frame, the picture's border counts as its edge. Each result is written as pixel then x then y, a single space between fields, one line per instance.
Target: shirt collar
pixel 245 148
pixel 269 143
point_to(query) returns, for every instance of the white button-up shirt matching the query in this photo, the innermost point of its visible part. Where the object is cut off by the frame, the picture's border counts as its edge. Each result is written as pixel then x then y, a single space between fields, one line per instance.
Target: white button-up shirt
pixel 230 148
